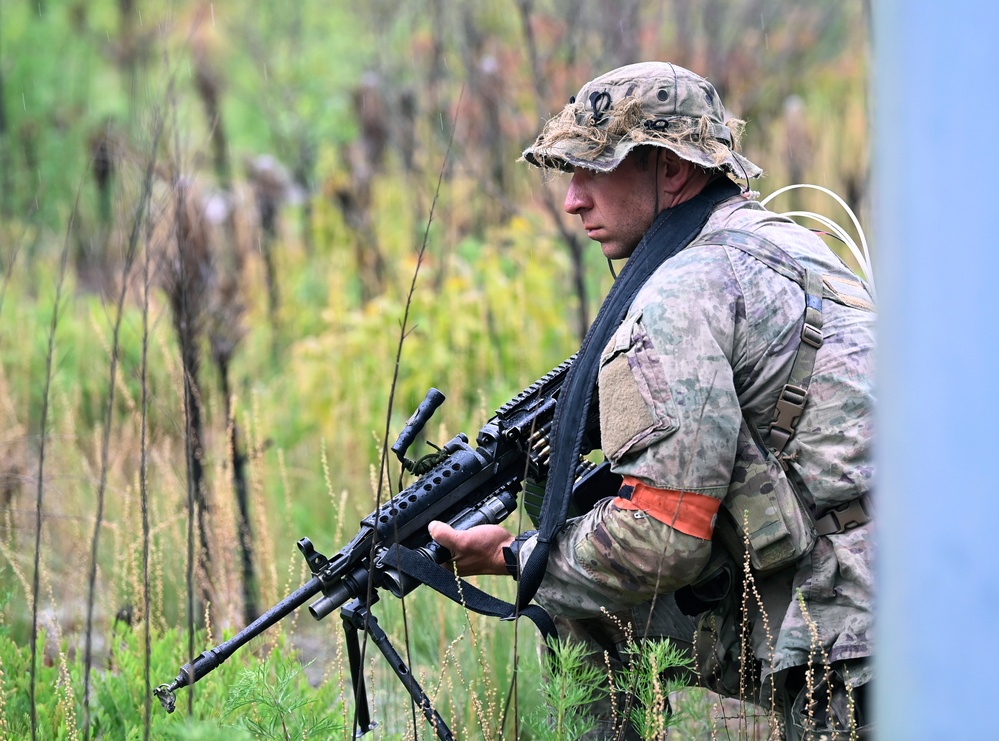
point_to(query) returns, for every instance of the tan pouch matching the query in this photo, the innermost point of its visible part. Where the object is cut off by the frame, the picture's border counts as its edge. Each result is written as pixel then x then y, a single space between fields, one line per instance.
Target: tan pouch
pixel 764 510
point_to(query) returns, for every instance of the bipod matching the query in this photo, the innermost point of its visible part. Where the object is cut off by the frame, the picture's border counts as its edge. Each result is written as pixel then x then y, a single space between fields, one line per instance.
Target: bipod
pixel 357 617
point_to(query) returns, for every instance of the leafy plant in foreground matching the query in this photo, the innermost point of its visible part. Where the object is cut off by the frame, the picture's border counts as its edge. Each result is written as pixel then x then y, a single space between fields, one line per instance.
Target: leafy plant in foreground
pixel 573 685
pixel 658 669
pixel 281 709
pixel 255 696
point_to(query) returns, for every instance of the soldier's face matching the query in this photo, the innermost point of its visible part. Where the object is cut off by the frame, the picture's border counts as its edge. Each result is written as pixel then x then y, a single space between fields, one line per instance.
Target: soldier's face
pixel 616 207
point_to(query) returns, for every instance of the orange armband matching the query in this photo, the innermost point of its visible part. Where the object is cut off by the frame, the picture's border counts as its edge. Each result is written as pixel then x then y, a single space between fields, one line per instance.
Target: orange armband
pixel 686 511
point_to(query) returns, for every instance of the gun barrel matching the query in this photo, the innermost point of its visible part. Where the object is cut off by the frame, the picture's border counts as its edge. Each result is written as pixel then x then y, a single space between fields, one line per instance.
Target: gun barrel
pixel 211 659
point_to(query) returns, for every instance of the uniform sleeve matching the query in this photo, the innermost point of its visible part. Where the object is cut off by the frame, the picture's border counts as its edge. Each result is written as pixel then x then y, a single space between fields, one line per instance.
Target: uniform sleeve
pixel 669 412
pixel 613 559
pixel 670 418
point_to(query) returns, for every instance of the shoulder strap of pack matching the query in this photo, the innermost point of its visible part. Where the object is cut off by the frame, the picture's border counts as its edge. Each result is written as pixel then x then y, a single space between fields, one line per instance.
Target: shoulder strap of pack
pixel 794 395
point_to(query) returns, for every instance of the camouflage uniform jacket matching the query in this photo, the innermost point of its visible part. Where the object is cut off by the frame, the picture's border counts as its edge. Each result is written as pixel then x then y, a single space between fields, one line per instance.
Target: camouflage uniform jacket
pixel 710 339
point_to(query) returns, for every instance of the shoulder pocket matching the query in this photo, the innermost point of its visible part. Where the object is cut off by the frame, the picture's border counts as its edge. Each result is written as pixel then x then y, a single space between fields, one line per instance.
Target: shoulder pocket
pixel 636 405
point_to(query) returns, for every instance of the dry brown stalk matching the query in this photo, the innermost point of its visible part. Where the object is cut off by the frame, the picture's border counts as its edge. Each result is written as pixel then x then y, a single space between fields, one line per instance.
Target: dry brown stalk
pixel 41 467
pixel 268 585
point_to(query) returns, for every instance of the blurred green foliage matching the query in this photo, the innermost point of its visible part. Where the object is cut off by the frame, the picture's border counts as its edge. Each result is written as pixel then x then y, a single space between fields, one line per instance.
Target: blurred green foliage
pixel 357 104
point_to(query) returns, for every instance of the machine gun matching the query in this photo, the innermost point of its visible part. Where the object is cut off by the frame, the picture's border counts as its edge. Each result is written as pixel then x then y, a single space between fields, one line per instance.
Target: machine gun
pixel 458 484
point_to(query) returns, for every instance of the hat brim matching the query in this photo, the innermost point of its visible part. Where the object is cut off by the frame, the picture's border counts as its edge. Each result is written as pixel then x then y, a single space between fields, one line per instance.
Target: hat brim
pixel 568 154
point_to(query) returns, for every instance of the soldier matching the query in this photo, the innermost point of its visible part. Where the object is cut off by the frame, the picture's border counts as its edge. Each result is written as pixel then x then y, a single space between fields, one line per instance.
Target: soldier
pixel 735 401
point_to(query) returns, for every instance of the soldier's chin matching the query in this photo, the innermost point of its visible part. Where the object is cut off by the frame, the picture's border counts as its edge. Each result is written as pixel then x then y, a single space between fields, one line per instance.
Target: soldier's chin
pixel 615 251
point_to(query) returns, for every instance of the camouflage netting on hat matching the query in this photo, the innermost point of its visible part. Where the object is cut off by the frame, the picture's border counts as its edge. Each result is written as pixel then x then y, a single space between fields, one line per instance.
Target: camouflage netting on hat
pixel 651 103
pixel 627 119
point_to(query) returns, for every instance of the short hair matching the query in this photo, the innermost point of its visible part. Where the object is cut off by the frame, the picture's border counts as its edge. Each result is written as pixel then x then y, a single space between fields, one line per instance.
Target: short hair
pixel 643 155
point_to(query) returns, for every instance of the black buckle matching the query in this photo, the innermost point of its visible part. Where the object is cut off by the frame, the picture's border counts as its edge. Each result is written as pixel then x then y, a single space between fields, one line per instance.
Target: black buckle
pixel 844 517
pixel 790 405
pixel 811 335
pixel 511 561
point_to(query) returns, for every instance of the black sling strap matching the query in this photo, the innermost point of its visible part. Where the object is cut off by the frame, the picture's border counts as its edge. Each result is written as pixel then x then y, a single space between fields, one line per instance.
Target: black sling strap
pixel 444 582
pixel 673 229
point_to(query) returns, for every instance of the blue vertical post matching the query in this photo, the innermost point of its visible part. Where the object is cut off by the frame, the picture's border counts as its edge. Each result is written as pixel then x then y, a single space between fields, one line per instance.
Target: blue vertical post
pixel 936 237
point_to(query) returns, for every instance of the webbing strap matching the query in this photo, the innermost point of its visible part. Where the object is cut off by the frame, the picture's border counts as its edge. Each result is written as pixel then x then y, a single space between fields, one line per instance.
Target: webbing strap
pixel 458 590
pixel 793 396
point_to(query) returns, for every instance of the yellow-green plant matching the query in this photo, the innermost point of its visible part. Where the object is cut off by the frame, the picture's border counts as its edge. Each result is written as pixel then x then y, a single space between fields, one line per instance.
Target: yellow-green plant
pixel 573 684
pixel 253 695
pixel 657 670
pixel 274 705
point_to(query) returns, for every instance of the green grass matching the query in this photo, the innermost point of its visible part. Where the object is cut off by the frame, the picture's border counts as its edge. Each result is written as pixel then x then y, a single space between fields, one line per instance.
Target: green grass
pixel 494 308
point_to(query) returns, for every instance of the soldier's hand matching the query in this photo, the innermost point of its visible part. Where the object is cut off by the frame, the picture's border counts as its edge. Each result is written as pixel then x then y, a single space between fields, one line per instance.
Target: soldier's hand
pixel 478 550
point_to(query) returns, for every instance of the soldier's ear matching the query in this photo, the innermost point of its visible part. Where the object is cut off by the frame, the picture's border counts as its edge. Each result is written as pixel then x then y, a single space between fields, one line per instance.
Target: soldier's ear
pixel 674 172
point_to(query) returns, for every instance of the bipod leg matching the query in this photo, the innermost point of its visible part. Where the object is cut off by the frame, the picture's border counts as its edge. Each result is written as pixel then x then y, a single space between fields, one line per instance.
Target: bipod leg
pixel 360 618
pixel 361 711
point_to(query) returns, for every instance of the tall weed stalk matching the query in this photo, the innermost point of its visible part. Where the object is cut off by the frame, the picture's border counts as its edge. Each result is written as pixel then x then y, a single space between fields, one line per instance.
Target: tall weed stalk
pixel 130 254
pixel 63 260
pixel 143 469
pixel 383 462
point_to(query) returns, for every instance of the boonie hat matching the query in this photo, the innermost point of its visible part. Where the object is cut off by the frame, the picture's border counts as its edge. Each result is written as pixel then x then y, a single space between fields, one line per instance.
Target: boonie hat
pixel 655 103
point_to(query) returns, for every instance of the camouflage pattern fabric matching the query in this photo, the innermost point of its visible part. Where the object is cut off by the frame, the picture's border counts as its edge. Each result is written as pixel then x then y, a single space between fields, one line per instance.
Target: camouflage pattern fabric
pixel 833 705
pixel 658 104
pixel 710 340
pixel 615 560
